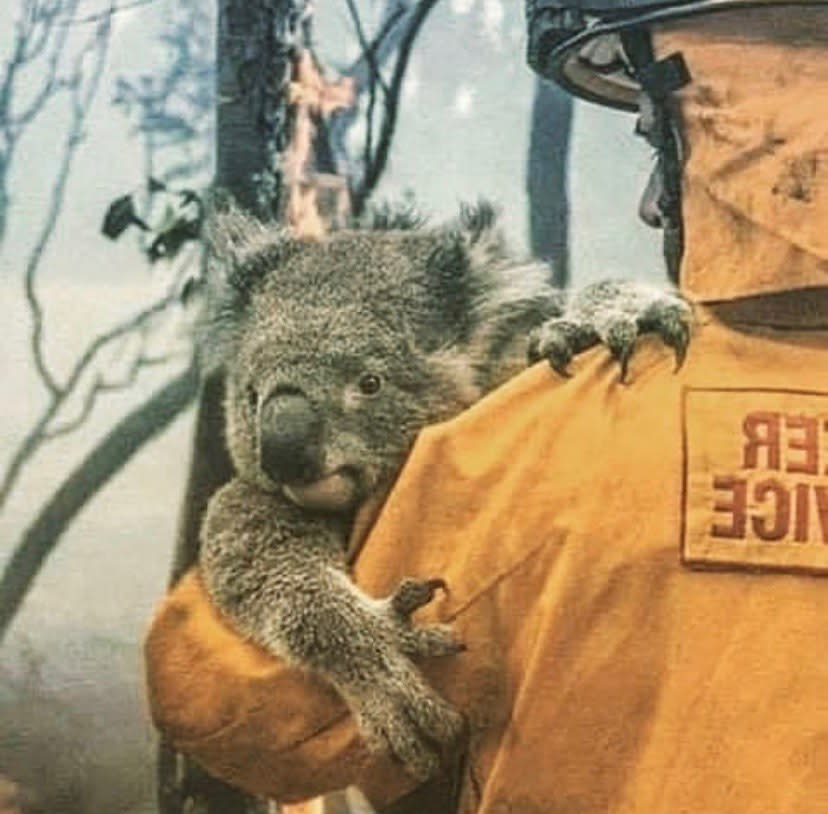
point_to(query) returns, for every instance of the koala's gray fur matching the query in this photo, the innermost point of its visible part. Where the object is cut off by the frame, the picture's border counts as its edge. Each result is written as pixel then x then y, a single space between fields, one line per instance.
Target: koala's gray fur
pixel 336 354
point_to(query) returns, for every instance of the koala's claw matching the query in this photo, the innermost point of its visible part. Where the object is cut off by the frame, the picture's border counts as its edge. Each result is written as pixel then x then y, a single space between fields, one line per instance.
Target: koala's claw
pixel 681 354
pixel 619 336
pixel 557 342
pixel 673 326
pixel 412 594
pixel 432 641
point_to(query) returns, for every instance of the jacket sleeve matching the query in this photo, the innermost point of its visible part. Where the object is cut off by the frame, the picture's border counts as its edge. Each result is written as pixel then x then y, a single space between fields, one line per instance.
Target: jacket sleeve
pixel 249 719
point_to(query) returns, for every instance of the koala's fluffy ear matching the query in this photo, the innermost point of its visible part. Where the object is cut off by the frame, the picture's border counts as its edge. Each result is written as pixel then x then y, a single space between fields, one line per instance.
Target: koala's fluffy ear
pixel 241 249
pixel 461 270
pixel 241 252
pixel 229 234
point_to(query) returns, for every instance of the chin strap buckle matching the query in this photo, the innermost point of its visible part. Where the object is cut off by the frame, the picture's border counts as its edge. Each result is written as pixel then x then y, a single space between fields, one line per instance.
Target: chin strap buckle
pixel 659 79
pixel 658 123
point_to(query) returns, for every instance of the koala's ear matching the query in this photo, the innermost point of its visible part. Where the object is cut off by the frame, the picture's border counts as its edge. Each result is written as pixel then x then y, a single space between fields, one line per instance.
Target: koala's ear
pixel 241 249
pixel 229 234
pixel 461 270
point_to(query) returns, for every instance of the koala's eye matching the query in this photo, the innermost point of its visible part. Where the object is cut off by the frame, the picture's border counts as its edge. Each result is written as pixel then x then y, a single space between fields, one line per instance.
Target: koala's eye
pixel 369 384
pixel 252 398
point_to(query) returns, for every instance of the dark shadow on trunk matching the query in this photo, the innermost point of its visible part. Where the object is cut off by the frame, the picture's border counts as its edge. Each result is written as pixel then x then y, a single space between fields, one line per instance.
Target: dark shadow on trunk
pixel 547 177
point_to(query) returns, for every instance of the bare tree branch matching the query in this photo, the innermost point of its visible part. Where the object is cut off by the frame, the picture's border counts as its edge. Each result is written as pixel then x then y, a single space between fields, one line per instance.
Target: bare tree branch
pixel 375 79
pixel 107 458
pixel 101 386
pixel 84 88
pixel 384 42
pixel 376 165
pixel 368 49
pixel 365 71
pixel 39 432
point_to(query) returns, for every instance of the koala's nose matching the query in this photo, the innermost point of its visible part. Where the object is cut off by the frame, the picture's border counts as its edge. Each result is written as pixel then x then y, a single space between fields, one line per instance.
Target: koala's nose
pixel 290 438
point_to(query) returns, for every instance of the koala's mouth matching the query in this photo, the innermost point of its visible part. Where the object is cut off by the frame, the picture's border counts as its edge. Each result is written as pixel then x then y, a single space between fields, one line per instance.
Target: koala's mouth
pixel 337 491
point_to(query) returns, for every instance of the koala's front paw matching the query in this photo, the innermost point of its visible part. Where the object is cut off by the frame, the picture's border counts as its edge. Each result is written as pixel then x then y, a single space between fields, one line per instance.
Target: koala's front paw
pixel 408 720
pixel 614 313
pixel 422 641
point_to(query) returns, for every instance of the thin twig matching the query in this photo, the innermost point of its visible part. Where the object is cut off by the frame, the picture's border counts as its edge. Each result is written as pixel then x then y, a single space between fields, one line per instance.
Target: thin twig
pixel 110 12
pixel 101 386
pixel 368 49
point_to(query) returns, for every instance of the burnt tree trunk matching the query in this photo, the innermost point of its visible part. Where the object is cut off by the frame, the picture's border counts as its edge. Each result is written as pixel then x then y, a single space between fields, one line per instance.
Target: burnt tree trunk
pixel 257 41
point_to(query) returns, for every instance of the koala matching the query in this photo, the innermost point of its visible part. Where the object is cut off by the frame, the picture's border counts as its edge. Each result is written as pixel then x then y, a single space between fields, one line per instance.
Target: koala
pixel 336 353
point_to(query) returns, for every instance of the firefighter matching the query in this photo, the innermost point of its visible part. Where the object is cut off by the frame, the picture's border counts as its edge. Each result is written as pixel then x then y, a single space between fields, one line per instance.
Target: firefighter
pixel 639 572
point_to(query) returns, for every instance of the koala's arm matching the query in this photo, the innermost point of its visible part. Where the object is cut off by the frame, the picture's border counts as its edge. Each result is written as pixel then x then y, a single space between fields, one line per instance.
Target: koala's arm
pixel 250 719
pixel 277 572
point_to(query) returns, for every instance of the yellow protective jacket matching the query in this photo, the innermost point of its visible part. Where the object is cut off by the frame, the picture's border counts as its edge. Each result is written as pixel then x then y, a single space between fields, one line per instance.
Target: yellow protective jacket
pixel 638 572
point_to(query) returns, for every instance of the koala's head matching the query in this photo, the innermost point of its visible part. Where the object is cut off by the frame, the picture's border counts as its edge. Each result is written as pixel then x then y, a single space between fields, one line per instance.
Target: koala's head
pixel 337 352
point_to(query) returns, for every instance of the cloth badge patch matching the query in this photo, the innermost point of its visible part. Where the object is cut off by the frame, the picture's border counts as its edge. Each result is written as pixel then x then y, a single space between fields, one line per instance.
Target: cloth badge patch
pixel 756 480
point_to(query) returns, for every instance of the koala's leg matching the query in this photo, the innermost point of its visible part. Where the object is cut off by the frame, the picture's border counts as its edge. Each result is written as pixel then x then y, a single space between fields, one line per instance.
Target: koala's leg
pixel 277 571
pixel 614 313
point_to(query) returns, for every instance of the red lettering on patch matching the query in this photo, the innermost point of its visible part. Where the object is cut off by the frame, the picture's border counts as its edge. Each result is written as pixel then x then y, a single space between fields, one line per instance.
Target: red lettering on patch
pixel 775 523
pixel 821 493
pixel 734 504
pixel 808 464
pixel 802 512
pixel 762 435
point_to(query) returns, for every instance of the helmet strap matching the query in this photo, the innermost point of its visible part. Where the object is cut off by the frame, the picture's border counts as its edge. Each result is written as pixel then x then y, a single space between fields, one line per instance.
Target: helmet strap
pixel 659 123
